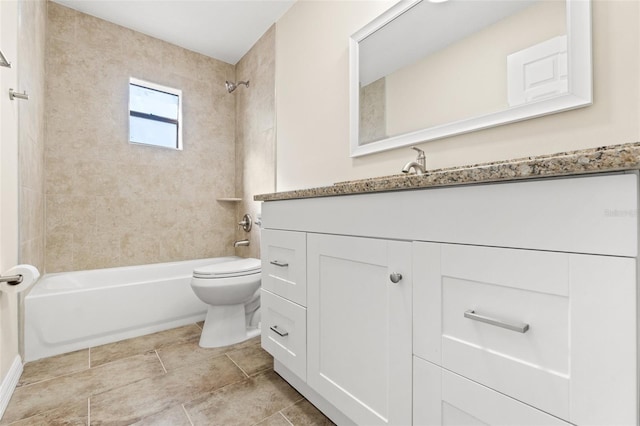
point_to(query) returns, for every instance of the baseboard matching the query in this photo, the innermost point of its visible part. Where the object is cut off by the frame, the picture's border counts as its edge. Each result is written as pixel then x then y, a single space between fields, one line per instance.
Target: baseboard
pixel 9 384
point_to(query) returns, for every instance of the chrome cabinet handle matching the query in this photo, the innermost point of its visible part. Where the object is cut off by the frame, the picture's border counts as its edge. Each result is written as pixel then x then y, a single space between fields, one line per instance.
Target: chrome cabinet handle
pixel 276 330
pixel 395 277
pixel 517 326
pixel 279 263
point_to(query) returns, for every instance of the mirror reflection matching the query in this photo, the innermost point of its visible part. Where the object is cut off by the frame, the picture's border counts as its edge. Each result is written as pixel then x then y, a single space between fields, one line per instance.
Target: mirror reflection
pixel 439 63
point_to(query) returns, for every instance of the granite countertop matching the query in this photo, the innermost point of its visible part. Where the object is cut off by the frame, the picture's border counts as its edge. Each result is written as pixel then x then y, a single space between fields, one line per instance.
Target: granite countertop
pixel 593 160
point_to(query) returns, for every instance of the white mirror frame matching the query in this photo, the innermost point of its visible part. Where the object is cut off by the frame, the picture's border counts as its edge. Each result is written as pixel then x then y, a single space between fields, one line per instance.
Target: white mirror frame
pixel 579 94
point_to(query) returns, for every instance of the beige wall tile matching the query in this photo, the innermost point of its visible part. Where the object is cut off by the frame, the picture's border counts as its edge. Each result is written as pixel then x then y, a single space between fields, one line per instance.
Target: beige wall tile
pixel 31 127
pixel 255 137
pixel 112 203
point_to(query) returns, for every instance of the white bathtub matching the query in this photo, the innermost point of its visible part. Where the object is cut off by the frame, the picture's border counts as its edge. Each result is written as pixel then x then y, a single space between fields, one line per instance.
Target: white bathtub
pixel 68 311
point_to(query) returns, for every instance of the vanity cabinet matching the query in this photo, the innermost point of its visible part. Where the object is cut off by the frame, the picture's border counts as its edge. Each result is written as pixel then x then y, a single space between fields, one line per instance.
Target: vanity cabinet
pixel 511 303
pixel 359 326
pixel 444 398
pixel 548 329
pixel 283 298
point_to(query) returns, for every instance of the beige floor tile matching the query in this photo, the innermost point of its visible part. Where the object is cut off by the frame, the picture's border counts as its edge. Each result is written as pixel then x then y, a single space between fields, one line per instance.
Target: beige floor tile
pixel 37 398
pixel 68 414
pixel 243 403
pixel 304 413
pixel 275 420
pixel 125 348
pixel 54 366
pixel 187 353
pixel 144 398
pixel 174 416
pixel 251 359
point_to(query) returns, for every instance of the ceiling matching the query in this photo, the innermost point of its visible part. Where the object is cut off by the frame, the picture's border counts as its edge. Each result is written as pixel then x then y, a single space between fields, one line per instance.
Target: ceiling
pixel 222 29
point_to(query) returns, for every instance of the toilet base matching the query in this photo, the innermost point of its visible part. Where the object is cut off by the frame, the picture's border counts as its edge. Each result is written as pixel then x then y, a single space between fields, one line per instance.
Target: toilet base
pixel 224 326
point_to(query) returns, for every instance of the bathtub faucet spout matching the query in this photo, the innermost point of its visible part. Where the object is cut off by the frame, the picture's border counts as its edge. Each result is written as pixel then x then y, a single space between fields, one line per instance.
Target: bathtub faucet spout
pixel 241 243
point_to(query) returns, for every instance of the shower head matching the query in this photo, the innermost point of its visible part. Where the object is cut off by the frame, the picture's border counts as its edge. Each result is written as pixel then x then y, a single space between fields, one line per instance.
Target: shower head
pixel 231 86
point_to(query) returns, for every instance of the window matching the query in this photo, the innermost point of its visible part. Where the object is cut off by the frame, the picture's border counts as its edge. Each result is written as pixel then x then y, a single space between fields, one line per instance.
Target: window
pixel 155 114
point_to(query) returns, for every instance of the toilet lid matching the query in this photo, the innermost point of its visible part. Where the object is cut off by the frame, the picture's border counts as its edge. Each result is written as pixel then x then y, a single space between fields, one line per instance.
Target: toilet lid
pixel 234 268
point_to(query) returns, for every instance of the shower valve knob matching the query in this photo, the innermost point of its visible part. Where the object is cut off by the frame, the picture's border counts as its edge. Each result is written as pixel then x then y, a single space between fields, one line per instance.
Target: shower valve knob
pixel 245 223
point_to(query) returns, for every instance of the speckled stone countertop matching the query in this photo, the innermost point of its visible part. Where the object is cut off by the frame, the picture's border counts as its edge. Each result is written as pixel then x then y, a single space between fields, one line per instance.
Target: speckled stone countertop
pixel 594 160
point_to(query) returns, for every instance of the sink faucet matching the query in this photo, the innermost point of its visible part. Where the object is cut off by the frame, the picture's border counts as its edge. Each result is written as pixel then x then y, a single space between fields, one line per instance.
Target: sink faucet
pixel 419 165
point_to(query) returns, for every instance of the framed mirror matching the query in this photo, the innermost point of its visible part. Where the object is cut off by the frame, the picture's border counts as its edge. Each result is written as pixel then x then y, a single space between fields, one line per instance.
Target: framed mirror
pixel 428 69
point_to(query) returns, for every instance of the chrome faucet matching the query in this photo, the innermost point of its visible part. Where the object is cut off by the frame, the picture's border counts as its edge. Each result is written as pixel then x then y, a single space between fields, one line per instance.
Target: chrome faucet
pixel 419 165
pixel 241 243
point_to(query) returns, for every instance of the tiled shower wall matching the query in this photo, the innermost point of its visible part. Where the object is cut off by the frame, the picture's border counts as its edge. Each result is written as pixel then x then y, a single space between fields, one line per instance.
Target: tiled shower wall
pixel 31 78
pixel 255 133
pixel 110 203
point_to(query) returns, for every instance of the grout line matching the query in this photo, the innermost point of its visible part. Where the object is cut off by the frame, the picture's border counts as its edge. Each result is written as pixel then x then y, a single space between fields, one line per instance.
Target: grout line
pixel 161 363
pixel 89 411
pixel 245 373
pixel 285 417
pixel 186 414
pixel 302 398
pixel 89 357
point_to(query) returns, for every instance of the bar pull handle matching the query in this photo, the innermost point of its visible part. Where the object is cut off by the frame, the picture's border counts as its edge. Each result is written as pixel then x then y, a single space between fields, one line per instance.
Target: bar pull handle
pixel 11 279
pixel 517 326
pixel 276 330
pixel 16 95
pixel 279 263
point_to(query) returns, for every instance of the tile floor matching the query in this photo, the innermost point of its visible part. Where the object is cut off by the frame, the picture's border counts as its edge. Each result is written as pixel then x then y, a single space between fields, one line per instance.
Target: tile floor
pixel 159 379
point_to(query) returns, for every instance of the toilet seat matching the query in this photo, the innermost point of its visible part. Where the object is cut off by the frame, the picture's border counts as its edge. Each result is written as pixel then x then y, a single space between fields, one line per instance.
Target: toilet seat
pixel 235 268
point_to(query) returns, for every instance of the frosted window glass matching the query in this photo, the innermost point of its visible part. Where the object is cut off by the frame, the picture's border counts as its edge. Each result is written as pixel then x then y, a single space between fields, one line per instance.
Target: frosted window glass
pixel 154 115
pixel 153 102
pixel 151 132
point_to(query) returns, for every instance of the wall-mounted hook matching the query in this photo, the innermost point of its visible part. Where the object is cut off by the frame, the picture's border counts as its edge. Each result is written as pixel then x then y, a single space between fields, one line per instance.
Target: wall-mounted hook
pixel 15 95
pixel 3 61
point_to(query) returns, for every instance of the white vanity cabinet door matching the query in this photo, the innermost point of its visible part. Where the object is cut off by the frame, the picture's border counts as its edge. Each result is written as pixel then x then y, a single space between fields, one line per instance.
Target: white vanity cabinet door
pixel 359 326
pixel 284 264
pixel 442 398
pixel 576 361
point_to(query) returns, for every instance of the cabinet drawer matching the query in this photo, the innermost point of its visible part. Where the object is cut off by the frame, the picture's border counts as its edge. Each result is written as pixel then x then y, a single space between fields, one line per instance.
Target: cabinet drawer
pixel 536 326
pixel 444 398
pixel 284 332
pixel 284 260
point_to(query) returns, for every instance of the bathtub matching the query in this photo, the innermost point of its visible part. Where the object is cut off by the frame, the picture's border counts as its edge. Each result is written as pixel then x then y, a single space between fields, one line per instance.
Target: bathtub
pixel 68 311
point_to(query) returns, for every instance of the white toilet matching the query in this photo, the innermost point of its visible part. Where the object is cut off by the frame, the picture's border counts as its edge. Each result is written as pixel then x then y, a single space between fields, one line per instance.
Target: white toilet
pixel 232 291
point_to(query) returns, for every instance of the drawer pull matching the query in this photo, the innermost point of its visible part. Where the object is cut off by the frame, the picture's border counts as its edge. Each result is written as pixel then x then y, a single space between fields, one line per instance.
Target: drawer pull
pixel 279 263
pixel 519 327
pixel 276 330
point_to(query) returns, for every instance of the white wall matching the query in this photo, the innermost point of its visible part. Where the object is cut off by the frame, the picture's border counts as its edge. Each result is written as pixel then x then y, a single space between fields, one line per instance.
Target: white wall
pixel 475 65
pixel 312 101
pixel 9 184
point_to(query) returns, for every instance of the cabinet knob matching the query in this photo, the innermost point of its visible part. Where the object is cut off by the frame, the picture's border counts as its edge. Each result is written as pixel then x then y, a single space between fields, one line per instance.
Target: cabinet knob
pixel 395 277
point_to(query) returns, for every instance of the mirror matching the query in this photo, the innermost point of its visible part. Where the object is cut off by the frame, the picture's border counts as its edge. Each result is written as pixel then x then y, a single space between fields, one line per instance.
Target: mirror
pixel 425 70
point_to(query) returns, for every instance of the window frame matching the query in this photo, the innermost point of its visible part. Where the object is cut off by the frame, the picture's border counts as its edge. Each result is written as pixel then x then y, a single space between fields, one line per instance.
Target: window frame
pixel 139 114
